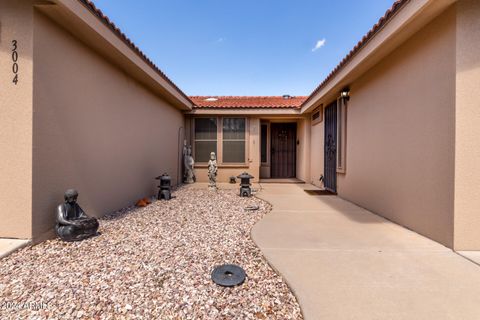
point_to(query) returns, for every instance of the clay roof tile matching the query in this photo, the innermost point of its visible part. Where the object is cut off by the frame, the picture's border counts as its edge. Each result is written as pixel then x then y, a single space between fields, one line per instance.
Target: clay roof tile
pixel 277 102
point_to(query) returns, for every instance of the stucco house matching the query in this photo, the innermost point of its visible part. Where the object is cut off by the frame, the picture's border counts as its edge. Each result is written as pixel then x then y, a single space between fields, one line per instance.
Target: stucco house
pixel 394 128
pixel 88 110
pixel 260 135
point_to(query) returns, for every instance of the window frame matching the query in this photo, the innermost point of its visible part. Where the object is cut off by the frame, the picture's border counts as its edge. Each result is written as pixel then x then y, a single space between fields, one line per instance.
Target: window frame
pixel 319 119
pixel 194 140
pixel 219 151
pixel 341 135
pixel 245 140
pixel 267 163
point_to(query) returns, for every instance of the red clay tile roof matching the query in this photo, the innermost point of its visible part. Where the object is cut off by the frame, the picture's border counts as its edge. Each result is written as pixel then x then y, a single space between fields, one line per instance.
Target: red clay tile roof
pixel 375 29
pixel 107 22
pixel 247 102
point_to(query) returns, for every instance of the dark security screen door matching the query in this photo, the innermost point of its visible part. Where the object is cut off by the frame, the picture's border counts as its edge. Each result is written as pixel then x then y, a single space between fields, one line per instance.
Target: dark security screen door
pixel 283 150
pixel 330 148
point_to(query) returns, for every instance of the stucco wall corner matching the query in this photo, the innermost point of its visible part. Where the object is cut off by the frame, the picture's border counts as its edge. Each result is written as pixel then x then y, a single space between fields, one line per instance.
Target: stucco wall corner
pixel 467 127
pixel 16 113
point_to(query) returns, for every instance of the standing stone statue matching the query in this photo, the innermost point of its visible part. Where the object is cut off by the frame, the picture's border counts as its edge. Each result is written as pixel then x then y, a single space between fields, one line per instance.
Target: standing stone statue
pixel 212 172
pixel 188 163
pixel 72 222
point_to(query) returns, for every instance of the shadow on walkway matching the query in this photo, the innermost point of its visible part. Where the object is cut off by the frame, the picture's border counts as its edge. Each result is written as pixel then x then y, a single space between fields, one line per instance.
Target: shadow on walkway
pixel 344 262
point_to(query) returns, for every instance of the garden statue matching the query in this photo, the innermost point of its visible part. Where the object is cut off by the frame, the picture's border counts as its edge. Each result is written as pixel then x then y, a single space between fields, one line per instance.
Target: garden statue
pixel 188 162
pixel 72 222
pixel 212 171
pixel 184 155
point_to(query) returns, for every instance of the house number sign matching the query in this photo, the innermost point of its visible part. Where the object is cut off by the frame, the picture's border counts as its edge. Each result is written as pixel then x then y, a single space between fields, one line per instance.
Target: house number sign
pixel 15 62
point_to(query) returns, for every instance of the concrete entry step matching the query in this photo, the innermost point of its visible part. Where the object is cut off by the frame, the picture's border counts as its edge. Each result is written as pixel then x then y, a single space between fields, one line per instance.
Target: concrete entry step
pixel 8 246
pixel 283 180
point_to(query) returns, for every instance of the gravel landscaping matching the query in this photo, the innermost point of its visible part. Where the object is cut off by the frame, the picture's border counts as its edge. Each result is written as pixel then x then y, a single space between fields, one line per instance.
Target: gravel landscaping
pixel 151 263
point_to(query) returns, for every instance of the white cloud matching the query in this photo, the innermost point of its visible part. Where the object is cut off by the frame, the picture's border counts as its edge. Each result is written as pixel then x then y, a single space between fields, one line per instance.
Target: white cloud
pixel 320 43
pixel 220 40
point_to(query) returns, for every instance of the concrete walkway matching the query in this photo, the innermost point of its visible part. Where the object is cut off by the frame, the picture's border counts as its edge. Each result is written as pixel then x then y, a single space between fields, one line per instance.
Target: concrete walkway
pixel 343 262
pixel 8 246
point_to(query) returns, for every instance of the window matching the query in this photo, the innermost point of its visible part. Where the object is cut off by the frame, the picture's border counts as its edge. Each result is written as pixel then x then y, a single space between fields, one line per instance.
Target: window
pixel 225 136
pixel 233 140
pixel 264 137
pixel 317 116
pixel 205 138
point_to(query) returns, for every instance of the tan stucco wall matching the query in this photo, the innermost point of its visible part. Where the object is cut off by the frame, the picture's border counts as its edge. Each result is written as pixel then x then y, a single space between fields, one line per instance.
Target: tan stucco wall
pixel 265 168
pixel 254 148
pixel 95 129
pixel 316 153
pixel 16 23
pixel 303 149
pixel 253 153
pixel 467 133
pixel 400 134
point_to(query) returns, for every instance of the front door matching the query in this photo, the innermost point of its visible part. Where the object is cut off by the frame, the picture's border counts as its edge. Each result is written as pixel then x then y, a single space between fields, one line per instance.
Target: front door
pixel 283 150
pixel 330 148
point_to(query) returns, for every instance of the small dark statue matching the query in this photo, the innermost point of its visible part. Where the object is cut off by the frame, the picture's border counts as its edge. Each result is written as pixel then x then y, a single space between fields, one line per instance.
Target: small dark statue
pixel 72 223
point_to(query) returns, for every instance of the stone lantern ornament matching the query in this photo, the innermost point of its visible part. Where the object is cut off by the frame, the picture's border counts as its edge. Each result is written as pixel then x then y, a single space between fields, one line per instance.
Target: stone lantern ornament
pixel 165 187
pixel 245 190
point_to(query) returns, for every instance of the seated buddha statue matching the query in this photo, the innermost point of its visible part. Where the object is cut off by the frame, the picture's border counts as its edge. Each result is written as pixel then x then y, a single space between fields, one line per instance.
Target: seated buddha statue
pixel 72 222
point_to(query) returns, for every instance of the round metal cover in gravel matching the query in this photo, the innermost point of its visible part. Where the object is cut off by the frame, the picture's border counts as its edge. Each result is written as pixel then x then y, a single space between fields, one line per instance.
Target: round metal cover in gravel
pixel 228 275
pixel 153 262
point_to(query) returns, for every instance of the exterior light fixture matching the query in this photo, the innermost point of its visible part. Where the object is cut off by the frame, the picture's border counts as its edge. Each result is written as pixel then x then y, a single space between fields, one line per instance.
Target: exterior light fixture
pixel 165 187
pixel 245 190
pixel 345 94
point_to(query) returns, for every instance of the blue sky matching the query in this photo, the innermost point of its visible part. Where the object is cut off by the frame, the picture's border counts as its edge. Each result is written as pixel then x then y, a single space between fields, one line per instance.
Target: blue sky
pixel 245 47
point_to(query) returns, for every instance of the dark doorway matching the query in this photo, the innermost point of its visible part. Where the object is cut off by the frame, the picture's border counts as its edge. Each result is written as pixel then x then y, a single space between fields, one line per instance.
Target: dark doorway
pixel 283 150
pixel 330 148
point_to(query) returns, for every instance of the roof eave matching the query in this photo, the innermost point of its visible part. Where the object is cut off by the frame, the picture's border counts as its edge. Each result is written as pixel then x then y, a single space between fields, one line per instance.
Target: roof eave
pixel 246 111
pixel 81 19
pixel 403 24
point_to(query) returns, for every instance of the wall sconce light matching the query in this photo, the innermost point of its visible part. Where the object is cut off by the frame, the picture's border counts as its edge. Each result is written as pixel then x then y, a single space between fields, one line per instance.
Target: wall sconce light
pixel 345 94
